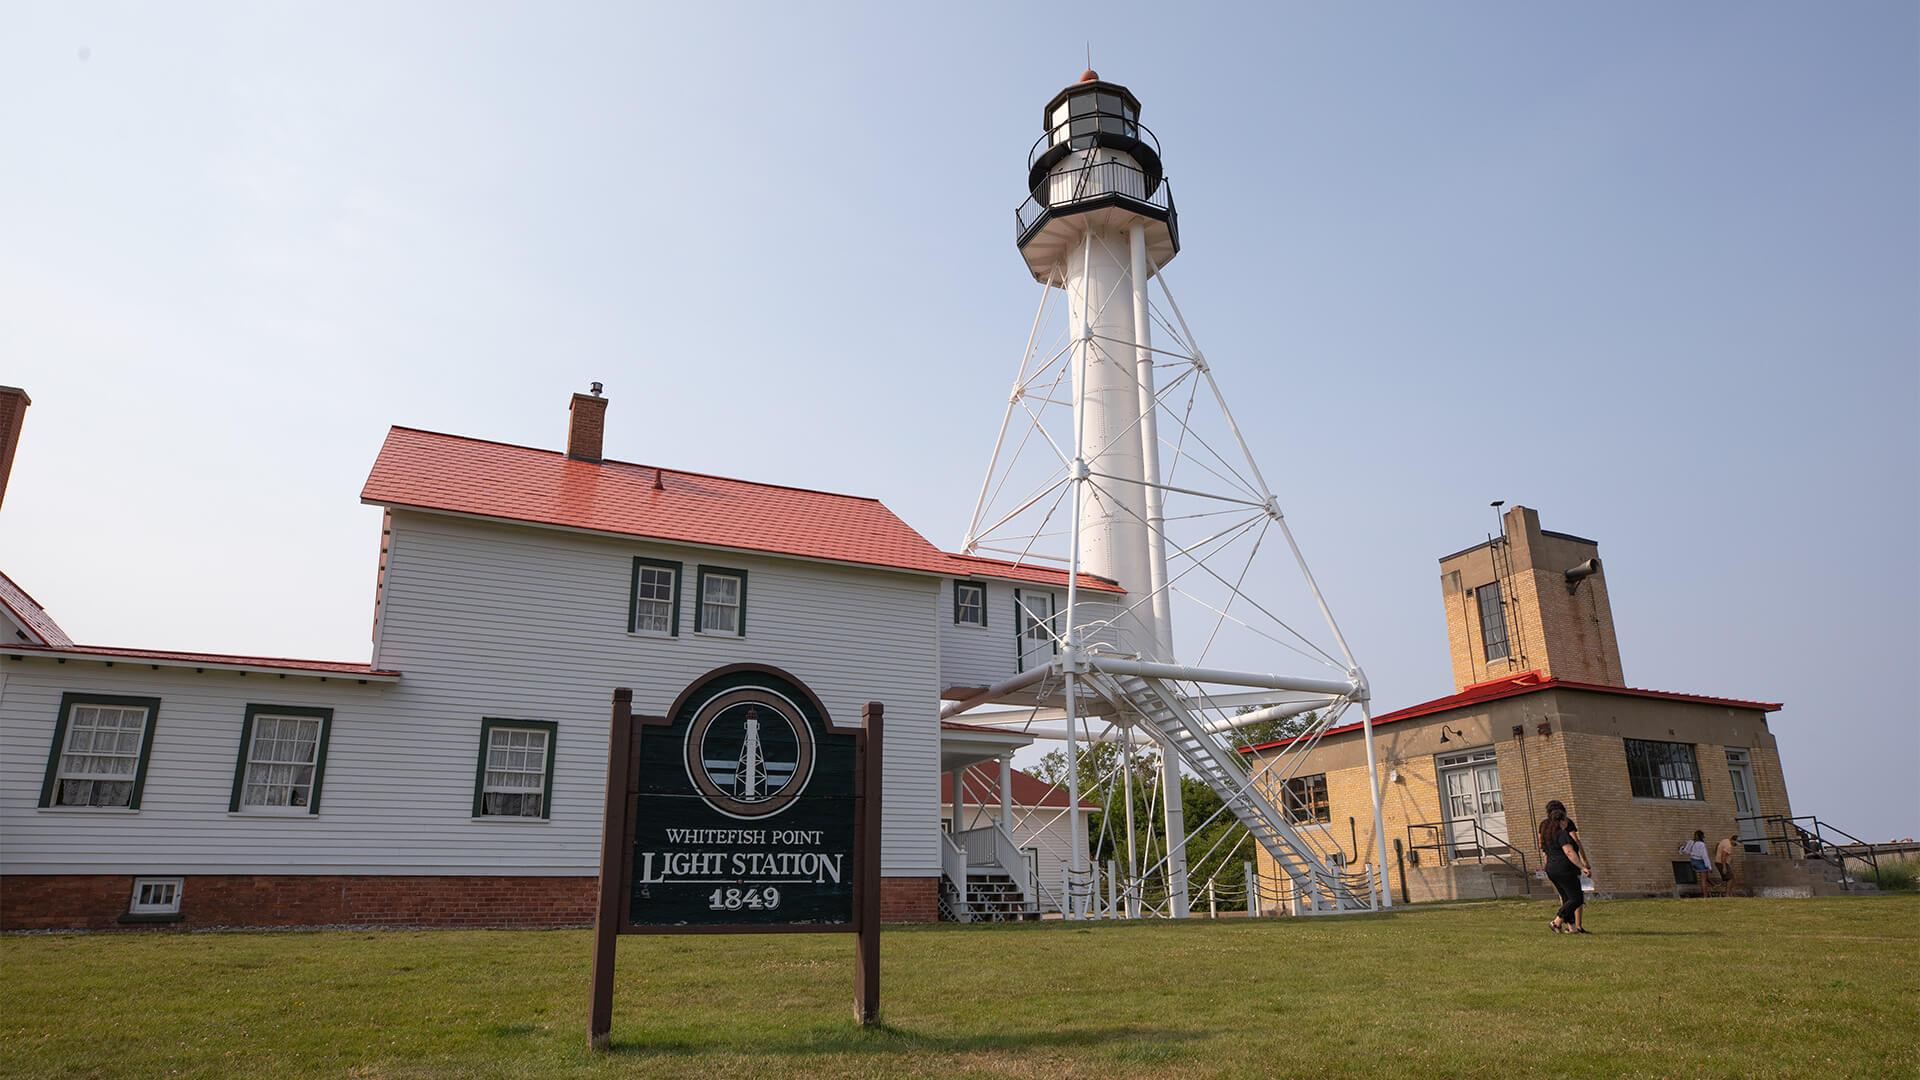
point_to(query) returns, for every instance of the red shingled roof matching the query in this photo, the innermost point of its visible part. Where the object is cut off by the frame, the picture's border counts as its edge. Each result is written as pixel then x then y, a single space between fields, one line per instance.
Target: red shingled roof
pixel 228 660
pixel 1527 682
pixel 983 785
pixel 430 471
pixel 28 613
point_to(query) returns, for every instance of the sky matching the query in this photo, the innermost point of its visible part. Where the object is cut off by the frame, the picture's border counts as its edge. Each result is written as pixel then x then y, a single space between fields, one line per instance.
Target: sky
pixel 1650 269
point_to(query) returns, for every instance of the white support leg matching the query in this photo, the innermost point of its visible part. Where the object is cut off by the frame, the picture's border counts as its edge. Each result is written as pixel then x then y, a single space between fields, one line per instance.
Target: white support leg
pixel 1077 840
pixel 1179 905
pixel 1133 859
pixel 1380 897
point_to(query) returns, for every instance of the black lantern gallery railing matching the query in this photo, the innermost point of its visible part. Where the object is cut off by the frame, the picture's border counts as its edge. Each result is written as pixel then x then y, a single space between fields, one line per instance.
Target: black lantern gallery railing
pixel 1090 187
pixel 1088 130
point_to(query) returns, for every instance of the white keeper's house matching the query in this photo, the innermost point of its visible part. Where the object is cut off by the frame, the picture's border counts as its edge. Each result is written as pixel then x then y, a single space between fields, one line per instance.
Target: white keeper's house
pixel 456 776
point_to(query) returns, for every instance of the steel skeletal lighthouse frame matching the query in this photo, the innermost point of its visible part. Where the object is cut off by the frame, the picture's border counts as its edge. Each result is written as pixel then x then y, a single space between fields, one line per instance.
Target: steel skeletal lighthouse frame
pixel 1119 460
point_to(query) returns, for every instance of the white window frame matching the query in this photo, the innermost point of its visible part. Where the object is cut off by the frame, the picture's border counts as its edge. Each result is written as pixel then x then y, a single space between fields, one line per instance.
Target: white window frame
pixel 135 906
pixel 313 766
pixel 980 608
pixel 71 730
pixel 541 771
pixel 669 611
pixel 737 608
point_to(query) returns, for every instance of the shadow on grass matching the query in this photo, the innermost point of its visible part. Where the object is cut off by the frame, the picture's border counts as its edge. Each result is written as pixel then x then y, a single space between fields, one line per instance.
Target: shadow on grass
pixel 887 1039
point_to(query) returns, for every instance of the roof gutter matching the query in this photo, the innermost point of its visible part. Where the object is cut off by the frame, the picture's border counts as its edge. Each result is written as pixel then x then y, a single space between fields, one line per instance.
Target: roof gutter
pixel 197 664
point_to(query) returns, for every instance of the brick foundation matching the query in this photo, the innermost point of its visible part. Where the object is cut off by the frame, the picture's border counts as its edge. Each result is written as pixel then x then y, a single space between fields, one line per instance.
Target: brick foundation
pixel 97 901
pixel 909 899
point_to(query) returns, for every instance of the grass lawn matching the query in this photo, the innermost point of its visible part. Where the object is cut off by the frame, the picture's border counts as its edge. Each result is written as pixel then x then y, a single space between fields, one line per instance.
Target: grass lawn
pixel 1661 988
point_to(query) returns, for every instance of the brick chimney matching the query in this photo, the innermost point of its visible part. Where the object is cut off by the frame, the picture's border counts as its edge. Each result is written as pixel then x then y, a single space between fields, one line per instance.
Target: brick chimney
pixel 586 425
pixel 13 413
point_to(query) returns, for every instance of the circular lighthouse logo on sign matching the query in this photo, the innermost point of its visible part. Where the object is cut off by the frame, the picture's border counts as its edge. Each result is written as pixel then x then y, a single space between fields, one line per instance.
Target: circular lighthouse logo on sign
pixel 749 752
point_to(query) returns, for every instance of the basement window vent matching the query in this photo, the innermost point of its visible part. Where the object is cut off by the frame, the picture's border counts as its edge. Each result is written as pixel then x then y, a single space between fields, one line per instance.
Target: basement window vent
pixel 156 896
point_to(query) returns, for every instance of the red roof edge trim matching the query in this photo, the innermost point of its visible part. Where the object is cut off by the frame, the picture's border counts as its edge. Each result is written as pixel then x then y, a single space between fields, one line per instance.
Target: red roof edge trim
pixel 177 658
pixel 1527 682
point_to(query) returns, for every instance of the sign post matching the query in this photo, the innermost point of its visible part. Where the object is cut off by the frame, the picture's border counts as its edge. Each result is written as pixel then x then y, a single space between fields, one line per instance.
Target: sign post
pixel 745 809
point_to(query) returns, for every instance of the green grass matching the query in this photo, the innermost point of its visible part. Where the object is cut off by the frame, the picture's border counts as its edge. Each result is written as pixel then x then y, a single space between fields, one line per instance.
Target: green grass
pixel 1897 873
pixel 1826 987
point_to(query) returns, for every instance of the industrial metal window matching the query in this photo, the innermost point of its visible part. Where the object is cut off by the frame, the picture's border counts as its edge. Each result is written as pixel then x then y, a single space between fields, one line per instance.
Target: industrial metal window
pixel 99 752
pixel 1305 799
pixel 283 752
pixel 1493 621
pixel 1663 770
pixel 656 598
pixel 516 769
pixel 155 896
pixel 723 602
pixel 969 604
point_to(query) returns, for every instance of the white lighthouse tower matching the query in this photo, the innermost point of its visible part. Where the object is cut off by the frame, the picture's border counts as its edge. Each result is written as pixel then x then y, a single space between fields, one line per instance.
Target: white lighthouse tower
pixel 1111 407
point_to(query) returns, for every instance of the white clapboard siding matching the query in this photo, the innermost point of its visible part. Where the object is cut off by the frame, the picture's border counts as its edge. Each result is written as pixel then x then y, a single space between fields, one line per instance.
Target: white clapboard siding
pixel 972 656
pixel 482 620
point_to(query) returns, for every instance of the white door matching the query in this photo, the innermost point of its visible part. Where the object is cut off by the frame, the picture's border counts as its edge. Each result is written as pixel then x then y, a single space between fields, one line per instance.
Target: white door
pixel 1470 788
pixel 1745 807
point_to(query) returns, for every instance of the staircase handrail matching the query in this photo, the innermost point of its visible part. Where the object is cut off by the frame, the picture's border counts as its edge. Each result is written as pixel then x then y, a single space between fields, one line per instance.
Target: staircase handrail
pixel 1246 791
pixel 953 866
pixel 995 842
pixel 1486 844
pixel 1821 847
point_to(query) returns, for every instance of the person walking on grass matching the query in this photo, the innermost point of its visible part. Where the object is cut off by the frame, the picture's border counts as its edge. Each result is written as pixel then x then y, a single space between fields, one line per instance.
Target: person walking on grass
pixel 1696 852
pixel 1565 863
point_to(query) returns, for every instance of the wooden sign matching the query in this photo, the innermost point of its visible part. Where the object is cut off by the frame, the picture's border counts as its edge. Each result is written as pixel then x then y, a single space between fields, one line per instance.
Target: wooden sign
pixel 745 809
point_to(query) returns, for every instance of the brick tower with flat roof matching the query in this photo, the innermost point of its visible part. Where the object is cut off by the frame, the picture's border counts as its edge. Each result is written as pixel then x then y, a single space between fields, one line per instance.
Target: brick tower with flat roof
pixel 1529 600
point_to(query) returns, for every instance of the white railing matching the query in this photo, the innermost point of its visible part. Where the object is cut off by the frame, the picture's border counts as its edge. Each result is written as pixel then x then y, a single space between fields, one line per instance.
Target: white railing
pixel 953 865
pixel 993 845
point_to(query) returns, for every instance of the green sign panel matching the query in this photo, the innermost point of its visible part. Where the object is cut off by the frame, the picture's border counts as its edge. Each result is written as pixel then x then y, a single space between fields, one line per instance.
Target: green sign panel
pixel 746 809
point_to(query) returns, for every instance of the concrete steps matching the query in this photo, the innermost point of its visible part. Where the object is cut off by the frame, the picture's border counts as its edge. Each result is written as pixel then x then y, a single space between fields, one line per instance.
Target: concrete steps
pixel 1778 876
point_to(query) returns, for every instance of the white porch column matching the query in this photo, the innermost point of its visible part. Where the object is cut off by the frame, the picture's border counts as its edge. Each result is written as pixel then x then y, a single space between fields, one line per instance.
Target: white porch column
pixel 1006 794
pixel 959 800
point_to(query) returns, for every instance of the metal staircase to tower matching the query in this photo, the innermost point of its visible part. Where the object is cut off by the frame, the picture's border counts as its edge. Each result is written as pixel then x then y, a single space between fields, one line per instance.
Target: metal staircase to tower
pixel 1090 420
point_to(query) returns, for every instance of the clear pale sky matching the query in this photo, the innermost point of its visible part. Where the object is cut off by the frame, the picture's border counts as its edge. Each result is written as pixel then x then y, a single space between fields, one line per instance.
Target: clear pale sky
pixel 1648 268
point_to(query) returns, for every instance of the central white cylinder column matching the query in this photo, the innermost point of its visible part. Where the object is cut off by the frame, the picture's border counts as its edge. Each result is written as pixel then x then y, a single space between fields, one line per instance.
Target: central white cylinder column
pixel 1113 506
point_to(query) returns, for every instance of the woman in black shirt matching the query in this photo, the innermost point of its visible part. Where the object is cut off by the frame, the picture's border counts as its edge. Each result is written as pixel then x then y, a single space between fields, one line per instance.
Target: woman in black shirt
pixel 1565 863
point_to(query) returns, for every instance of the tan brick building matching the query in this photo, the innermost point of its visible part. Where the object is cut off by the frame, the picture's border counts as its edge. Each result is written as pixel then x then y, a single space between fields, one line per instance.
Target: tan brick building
pixel 1540 711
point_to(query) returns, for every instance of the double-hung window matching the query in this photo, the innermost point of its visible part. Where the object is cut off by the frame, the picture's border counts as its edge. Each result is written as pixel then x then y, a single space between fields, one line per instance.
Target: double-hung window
pixel 723 602
pixel 283 758
pixel 99 752
pixel 515 776
pixel 969 604
pixel 655 607
pixel 1663 770
pixel 1493 621
pixel 1305 799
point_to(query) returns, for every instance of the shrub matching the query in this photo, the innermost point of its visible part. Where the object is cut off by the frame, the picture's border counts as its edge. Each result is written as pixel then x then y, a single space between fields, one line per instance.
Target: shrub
pixel 1896 873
